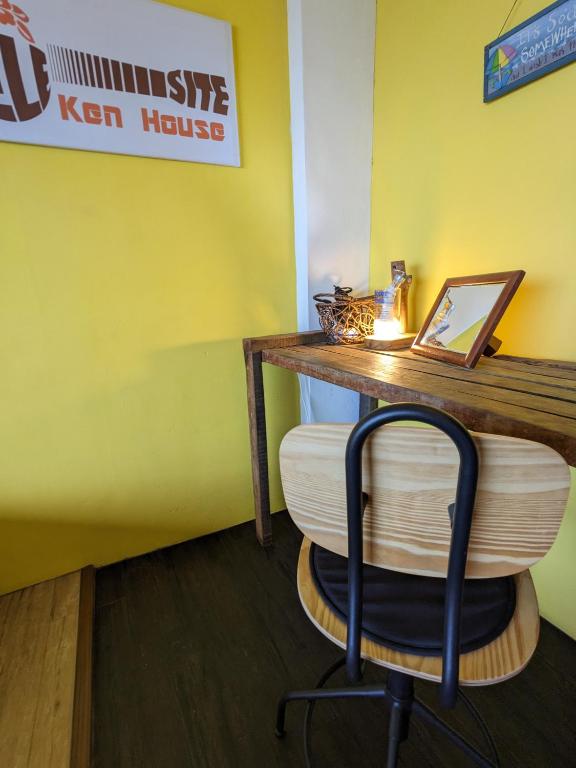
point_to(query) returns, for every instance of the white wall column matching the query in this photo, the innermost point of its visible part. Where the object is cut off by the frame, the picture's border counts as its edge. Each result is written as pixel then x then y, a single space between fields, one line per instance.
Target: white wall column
pixel 331 48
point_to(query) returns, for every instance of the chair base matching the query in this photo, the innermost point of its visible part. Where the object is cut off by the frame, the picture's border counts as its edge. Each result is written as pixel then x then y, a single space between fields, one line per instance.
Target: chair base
pixel 398 693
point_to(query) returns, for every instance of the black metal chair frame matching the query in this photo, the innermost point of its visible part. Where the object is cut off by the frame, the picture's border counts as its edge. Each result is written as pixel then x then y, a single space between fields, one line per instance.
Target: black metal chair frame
pixel 398 691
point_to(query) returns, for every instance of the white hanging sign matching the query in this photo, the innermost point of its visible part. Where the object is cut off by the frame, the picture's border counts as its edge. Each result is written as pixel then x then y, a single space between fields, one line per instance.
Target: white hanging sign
pixel 132 77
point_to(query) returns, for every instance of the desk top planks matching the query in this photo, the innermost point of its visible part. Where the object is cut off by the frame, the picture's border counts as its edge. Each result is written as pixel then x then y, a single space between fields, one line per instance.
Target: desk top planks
pixel 535 400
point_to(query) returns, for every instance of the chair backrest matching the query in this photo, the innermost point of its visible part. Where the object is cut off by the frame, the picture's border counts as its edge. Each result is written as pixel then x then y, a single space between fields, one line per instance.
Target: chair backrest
pixel 410 475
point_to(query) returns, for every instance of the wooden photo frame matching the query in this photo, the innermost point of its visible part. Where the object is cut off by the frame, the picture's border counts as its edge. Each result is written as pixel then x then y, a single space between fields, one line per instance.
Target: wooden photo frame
pixel 466 313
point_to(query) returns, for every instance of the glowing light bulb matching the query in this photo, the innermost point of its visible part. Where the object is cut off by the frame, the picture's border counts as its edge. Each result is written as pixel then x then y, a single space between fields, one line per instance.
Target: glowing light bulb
pixel 386 329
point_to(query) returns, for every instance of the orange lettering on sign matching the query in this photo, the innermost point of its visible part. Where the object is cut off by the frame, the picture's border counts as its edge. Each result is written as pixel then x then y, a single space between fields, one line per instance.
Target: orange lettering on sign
pixel 170 125
pixel 93 114
pixel 216 131
pixel 67 110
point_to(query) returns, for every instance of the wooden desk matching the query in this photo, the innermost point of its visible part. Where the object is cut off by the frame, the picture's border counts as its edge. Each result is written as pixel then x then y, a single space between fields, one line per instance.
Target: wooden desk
pixel 533 399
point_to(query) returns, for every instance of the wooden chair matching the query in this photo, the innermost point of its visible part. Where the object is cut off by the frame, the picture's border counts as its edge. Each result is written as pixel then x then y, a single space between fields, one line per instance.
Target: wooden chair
pixel 416 554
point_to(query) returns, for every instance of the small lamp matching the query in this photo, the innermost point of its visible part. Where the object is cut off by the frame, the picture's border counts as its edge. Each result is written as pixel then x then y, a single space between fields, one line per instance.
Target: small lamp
pixel 391 313
pixel 386 330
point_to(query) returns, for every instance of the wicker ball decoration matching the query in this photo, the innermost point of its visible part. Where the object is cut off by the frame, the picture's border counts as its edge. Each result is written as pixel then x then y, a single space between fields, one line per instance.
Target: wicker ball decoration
pixel 344 319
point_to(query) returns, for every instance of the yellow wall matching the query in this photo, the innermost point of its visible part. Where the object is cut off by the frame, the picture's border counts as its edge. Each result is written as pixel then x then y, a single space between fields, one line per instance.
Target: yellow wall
pixel 126 286
pixel 462 187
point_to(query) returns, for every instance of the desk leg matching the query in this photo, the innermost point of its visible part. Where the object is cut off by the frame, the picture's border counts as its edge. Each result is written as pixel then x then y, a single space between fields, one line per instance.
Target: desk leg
pixel 259 446
pixel 367 405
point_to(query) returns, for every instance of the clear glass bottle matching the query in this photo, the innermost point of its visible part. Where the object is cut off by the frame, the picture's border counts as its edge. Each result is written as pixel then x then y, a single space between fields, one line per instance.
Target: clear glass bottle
pixel 386 324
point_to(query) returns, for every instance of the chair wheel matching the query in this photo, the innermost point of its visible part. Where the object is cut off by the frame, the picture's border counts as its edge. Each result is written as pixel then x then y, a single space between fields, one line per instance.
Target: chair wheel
pixel 279 734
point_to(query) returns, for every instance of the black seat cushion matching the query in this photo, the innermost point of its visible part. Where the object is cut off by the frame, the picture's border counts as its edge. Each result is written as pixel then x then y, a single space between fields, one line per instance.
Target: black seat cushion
pixel 406 612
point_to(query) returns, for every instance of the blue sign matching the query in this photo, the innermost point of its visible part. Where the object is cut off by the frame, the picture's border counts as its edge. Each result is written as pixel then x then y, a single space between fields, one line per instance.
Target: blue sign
pixel 541 44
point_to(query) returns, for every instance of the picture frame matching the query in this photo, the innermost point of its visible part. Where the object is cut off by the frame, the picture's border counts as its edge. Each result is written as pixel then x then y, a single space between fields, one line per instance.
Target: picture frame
pixel 541 44
pixel 464 316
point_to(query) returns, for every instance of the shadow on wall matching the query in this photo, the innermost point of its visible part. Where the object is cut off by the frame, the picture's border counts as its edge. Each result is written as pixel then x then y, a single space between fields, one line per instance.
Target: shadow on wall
pixel 166 457
pixel 35 549
pixel 517 329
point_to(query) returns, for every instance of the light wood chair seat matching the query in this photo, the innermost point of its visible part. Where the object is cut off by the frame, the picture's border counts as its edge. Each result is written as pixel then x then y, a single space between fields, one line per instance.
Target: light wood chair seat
pixel 499 660
pixel 420 504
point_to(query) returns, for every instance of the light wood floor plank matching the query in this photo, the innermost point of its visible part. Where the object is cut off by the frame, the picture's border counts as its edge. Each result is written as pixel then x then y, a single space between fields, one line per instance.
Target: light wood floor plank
pixel 38 639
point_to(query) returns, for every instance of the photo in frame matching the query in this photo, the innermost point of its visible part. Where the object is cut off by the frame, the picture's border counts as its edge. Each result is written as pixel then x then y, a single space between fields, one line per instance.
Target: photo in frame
pixel 464 316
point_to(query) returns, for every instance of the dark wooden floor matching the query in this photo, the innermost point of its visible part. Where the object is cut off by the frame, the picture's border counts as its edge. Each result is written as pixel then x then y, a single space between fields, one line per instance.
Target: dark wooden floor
pixel 194 644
